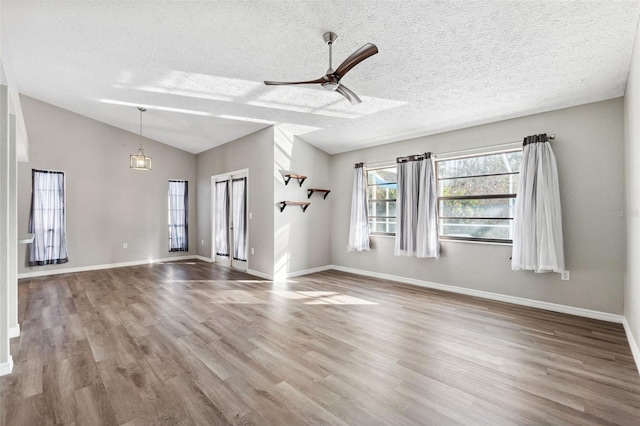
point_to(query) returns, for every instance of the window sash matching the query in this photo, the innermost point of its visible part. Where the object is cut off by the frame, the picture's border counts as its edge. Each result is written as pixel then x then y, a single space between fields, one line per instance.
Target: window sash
pixel 442 219
pixel 371 187
pixel 48 218
pixel 178 215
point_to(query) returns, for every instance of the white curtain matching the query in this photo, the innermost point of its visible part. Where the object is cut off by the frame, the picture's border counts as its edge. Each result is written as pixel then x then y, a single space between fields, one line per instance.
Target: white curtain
pixel 222 218
pixel 178 216
pixel 47 222
pixel 359 223
pixel 537 239
pixel 239 220
pixel 416 208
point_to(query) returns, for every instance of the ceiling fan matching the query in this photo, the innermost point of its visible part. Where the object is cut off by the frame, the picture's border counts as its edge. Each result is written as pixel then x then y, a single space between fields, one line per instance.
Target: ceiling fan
pixel 331 80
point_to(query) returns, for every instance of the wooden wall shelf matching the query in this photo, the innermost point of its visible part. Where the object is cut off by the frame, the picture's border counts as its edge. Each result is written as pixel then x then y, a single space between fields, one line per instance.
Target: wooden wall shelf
pixel 290 176
pixel 310 192
pixel 302 204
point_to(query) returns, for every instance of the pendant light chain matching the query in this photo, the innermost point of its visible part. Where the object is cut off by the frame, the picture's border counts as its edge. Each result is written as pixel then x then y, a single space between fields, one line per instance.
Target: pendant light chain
pixel 140 161
pixel 141 109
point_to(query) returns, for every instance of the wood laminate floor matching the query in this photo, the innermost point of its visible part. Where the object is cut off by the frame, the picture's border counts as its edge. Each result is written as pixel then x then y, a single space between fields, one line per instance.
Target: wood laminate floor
pixel 193 343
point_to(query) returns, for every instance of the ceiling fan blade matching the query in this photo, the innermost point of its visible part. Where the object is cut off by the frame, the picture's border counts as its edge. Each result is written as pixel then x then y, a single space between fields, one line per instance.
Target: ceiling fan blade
pixel 347 93
pixel 278 83
pixel 355 58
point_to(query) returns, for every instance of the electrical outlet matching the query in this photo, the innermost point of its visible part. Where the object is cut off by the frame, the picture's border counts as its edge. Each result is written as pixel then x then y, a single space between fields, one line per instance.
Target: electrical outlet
pixel 566 275
pixel 124 245
pixel 202 243
pixel 250 215
pixel 253 251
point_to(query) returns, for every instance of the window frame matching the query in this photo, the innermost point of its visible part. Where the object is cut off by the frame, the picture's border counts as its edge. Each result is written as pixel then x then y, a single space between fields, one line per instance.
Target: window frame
pixel 62 232
pixel 186 217
pixel 367 169
pixel 474 197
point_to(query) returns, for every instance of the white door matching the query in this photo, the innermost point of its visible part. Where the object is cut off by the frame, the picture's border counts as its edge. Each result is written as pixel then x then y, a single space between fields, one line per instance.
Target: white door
pixel 230 228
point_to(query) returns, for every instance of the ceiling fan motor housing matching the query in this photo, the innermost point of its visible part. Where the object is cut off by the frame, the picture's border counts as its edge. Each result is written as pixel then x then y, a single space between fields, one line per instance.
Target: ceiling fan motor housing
pixel 333 82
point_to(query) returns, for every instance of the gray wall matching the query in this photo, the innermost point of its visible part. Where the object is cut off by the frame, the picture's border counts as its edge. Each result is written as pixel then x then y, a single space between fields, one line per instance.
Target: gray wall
pixel 253 152
pixel 302 240
pixel 632 213
pixel 108 203
pixel 589 151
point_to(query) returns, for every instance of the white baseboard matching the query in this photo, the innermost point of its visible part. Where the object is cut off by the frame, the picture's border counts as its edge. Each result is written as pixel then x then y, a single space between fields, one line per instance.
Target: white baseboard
pixel 14 331
pixel 259 274
pixel 635 350
pixel 309 271
pixel 204 259
pixel 288 275
pixel 581 312
pixel 6 367
pixel 46 272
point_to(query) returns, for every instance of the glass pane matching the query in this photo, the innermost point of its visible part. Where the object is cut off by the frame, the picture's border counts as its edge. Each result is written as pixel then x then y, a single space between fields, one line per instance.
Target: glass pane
pixel 382 208
pixel 500 229
pixel 488 185
pixel 381 192
pixel 496 207
pixel 506 162
pixel 382 176
pixel 377 224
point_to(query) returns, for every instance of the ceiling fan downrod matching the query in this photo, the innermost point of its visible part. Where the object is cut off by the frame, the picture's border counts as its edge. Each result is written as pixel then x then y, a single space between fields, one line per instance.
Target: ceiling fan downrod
pixel 329 38
pixel 332 84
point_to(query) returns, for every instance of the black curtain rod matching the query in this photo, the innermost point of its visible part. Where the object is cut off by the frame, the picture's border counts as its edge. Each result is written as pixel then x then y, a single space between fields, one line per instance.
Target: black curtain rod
pixel 413 157
pixel 537 139
pixel 429 154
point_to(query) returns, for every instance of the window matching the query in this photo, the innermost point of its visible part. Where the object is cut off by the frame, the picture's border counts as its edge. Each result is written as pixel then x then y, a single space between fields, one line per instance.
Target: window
pixel 47 221
pixel 178 216
pixel 476 196
pixel 381 200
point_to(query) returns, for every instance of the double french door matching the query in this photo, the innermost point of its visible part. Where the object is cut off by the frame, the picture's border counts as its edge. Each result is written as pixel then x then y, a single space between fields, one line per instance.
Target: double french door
pixel 230 236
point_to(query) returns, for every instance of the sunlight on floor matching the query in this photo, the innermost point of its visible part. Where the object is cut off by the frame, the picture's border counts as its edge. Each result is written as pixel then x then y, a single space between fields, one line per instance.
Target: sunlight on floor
pixel 237 296
pixel 322 298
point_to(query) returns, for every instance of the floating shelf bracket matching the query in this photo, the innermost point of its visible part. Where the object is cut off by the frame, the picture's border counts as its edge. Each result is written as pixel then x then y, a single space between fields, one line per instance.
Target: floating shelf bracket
pixel 290 176
pixel 310 192
pixel 302 204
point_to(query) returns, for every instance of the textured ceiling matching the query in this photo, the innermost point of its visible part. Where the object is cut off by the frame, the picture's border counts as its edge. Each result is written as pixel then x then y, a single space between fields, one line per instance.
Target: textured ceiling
pixel 198 66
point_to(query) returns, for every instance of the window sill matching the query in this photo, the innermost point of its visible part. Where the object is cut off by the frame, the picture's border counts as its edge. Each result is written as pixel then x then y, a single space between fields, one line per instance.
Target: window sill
pixel 451 241
pixel 491 243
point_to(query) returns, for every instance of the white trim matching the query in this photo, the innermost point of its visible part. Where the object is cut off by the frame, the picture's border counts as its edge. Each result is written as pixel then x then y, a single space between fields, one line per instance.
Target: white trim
pixel 229 176
pixel 635 350
pixel 6 367
pixel 204 259
pixel 259 274
pixel 380 165
pixel 14 331
pixel 309 271
pixel 571 310
pixel 479 151
pixel 98 267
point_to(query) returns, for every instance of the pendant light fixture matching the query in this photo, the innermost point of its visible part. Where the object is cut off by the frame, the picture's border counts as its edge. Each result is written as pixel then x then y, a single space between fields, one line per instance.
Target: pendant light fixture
pixel 140 161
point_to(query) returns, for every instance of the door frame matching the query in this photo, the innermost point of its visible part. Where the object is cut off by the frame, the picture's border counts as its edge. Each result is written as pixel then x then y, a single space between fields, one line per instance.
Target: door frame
pixel 222 176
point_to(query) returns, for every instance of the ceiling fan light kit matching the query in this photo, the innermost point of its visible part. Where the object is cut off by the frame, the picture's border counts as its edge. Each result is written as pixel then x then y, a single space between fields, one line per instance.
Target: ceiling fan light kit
pixel 331 80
